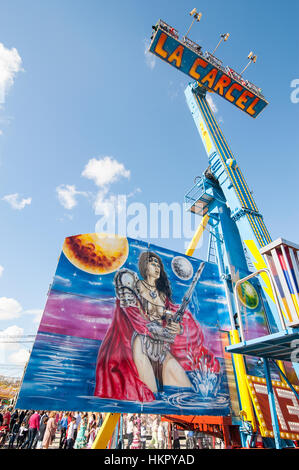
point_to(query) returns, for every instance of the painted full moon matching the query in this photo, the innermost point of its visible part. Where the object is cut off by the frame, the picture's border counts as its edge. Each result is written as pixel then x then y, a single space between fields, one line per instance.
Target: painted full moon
pixel 96 253
pixel 182 268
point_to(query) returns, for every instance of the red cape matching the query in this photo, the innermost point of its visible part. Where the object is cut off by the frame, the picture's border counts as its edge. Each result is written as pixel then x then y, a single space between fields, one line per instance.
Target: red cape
pixel 116 374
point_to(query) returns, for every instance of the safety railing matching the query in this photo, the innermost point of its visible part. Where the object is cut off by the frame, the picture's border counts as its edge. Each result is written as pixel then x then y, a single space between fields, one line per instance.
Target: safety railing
pixel 282 258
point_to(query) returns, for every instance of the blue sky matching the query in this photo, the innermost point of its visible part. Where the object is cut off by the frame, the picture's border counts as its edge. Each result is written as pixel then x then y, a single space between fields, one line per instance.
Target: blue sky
pixel 79 87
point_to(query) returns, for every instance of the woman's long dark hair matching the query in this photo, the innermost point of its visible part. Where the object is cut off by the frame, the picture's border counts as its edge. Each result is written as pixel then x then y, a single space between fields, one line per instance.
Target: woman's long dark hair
pixel 162 284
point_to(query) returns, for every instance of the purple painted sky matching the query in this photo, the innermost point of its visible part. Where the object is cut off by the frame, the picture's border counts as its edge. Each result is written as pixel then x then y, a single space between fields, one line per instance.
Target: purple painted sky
pixel 73 315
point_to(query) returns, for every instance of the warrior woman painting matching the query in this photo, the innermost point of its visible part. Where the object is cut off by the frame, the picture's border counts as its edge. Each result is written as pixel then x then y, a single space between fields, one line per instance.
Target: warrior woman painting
pixel 145 349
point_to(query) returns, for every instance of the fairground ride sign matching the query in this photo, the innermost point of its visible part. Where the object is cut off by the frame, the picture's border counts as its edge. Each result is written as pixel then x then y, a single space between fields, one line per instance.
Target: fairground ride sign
pixel 207 70
pixel 286 403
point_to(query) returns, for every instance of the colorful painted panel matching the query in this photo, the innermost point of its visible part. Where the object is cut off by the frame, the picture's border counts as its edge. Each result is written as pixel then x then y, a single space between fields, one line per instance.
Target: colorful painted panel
pixel 207 71
pixel 287 406
pixel 257 320
pixel 129 327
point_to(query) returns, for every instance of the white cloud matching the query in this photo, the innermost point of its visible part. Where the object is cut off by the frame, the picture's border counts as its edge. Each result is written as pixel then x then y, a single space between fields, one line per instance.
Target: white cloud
pixel 212 103
pixel 10 65
pixel 15 202
pixel 9 308
pixel 8 341
pixel 19 357
pixel 104 171
pixel 150 59
pixel 1 270
pixel 12 352
pixel 13 330
pixel 67 195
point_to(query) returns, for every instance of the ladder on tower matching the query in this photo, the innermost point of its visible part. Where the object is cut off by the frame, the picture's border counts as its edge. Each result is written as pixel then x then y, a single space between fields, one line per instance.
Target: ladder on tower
pixel 212 252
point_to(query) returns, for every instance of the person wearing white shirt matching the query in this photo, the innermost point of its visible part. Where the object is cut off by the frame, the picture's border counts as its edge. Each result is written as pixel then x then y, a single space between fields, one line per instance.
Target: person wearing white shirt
pixel 70 437
pixel 130 428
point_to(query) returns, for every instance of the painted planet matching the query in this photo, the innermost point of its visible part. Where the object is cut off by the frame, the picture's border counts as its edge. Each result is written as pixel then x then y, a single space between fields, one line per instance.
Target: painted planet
pixel 182 268
pixel 248 295
pixel 96 253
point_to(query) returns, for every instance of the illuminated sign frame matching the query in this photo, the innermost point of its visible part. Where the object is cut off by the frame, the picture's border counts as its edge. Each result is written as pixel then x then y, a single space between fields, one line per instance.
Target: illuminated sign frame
pixel 286 404
pixel 206 72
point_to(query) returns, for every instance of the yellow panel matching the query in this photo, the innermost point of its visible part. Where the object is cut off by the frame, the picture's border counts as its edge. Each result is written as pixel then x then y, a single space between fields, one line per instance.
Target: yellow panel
pixel 106 431
pixel 242 382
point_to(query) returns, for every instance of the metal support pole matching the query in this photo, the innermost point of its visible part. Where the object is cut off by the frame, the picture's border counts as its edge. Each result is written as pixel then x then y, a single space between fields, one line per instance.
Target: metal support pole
pixel 286 379
pixel 121 425
pixel 226 436
pixel 223 277
pixel 217 46
pixel 190 27
pixel 271 399
pixel 197 236
pixel 106 431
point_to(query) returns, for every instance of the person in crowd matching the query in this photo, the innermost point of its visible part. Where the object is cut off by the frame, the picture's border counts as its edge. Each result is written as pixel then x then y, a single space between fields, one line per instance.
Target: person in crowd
pixel 70 433
pixel 22 415
pixel 33 425
pixel 22 435
pixel 136 444
pixel 161 436
pixel 77 424
pixel 100 420
pixel 190 440
pixel 81 439
pixel 62 426
pixel 50 430
pixel 138 421
pixel 154 440
pixel 14 432
pixel 143 432
pixel 13 419
pixel 91 421
pixel 41 432
pixel 70 416
pixel 129 430
pixel 176 437
pixel 43 414
pixel 7 417
pixel 27 417
pixel 91 435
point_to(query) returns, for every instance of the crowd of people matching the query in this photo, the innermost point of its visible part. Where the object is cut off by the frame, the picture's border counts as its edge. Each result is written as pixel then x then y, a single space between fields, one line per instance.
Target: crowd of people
pixel 142 428
pixel 36 429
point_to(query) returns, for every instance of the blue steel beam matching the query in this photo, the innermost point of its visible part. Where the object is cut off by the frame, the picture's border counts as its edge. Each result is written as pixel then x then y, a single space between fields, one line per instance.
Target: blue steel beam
pixel 224 167
pixel 271 399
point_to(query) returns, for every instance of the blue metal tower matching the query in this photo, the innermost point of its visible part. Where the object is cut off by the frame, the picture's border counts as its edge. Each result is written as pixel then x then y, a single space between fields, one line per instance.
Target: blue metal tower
pixel 237 229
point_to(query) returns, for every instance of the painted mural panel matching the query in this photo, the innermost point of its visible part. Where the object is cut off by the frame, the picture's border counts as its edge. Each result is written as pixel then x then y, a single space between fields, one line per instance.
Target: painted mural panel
pixel 257 321
pixel 129 327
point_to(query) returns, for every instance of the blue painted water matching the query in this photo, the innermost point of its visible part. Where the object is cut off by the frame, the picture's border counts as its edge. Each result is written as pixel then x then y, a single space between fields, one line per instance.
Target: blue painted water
pixel 61 376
